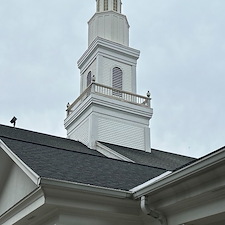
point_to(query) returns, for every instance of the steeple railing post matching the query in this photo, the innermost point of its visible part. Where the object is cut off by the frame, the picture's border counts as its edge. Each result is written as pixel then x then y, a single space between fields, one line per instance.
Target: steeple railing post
pixel 93 84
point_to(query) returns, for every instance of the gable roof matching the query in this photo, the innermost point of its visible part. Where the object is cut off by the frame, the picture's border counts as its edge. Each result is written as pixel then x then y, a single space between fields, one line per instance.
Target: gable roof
pixel 156 158
pixel 52 157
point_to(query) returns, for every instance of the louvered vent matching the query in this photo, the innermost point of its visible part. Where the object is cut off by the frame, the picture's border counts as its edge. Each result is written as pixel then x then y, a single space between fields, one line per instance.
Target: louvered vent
pixel 89 79
pixel 117 81
pixel 115 5
pixel 106 5
pixel 98 6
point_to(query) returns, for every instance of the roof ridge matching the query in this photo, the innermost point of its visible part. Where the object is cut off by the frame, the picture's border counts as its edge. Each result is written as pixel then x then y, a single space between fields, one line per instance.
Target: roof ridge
pixel 171 153
pixel 31 131
pixel 83 153
pixel 45 145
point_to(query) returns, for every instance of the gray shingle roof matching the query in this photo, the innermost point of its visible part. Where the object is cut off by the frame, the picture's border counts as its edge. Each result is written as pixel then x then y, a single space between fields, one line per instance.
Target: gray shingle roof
pixel 74 163
pixel 156 158
pixel 45 139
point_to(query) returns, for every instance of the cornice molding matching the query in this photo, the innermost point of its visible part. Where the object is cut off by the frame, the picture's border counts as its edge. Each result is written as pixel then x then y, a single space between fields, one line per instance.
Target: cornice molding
pixel 101 43
pixel 109 103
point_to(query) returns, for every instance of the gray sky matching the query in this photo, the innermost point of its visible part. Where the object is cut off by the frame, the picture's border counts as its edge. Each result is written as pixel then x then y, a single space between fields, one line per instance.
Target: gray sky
pixel 182 63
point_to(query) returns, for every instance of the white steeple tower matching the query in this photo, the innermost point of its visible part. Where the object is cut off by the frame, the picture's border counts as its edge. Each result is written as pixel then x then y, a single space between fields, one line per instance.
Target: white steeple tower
pixel 108 108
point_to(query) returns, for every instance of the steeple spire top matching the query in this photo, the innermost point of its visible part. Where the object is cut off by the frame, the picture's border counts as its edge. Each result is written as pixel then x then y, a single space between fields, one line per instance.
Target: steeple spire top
pixel 108 5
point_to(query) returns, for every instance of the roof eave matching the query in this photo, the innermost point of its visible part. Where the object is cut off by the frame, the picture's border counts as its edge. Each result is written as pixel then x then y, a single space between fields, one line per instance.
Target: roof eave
pixel 181 174
pixel 103 191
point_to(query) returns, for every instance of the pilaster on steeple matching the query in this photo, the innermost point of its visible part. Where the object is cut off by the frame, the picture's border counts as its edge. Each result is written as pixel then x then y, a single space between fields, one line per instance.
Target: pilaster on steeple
pixel 109 23
pixel 108 5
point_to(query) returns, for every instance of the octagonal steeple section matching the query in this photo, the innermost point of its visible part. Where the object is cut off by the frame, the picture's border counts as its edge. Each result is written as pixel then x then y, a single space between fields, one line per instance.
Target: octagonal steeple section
pixel 109 23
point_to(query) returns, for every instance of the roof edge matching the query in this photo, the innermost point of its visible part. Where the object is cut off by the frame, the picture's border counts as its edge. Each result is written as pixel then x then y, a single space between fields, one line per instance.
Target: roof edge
pixel 149 182
pixel 183 173
pixel 110 192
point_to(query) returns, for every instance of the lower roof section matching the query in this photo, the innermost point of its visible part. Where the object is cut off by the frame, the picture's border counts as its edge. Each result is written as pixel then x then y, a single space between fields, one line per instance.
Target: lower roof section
pixel 155 158
pixel 57 162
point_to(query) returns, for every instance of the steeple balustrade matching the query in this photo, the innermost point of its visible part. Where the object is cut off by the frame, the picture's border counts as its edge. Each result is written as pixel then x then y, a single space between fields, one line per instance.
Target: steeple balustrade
pixel 113 93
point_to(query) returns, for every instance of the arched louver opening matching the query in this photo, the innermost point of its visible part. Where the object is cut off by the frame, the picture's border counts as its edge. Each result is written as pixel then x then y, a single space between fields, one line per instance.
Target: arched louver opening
pixel 106 5
pixel 117 81
pixel 115 5
pixel 89 79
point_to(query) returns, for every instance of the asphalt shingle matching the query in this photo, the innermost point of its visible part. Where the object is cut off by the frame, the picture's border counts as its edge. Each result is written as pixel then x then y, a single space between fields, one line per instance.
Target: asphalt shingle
pixel 156 158
pixel 45 139
pixel 62 163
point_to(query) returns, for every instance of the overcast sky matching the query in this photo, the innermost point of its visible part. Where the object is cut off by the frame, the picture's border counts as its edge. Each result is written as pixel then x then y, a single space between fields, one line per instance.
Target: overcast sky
pixel 182 63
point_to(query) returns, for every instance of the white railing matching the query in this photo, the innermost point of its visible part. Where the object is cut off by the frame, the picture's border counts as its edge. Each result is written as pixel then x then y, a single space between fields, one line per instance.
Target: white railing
pixel 112 93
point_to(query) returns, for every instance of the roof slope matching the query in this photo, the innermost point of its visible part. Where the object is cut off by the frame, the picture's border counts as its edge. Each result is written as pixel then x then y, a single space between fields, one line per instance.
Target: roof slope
pixel 45 139
pixel 156 158
pixel 57 162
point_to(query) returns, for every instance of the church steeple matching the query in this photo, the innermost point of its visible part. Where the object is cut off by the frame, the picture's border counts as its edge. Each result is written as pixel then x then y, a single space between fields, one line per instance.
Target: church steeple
pixel 108 108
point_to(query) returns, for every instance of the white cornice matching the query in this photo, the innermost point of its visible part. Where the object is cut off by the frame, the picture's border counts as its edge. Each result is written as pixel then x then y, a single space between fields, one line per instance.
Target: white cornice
pixel 101 43
pixel 110 103
pixel 111 153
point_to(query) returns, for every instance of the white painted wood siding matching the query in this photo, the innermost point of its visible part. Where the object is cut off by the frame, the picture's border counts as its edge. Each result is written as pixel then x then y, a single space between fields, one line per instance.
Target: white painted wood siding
pixel 121 133
pixel 110 25
pixel 81 133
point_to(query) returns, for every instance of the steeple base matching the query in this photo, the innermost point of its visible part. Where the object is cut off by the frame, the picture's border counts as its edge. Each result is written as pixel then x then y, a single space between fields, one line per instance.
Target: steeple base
pixel 117 120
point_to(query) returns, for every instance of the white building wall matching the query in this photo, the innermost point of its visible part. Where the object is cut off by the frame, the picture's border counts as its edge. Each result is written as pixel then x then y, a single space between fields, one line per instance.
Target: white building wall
pixel 81 132
pixel 122 133
pixel 15 188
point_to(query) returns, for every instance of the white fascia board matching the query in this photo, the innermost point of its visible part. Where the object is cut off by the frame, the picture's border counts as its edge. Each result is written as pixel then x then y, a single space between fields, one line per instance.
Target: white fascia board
pixel 152 181
pixel 26 169
pixel 185 173
pixel 109 152
pixel 107 44
pixel 29 204
pixel 102 191
pixel 107 53
pixel 119 104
